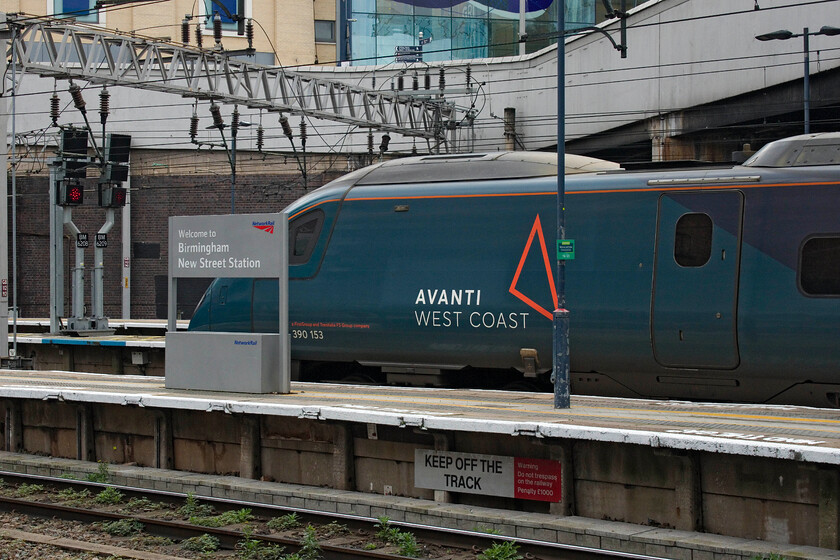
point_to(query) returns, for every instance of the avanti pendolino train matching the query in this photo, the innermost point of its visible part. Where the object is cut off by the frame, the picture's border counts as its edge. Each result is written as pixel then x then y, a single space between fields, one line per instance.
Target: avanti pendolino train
pixel 714 284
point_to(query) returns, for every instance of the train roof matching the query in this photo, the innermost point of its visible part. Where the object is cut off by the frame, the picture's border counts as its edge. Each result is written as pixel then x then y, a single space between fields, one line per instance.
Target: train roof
pixel 472 167
pixel 799 151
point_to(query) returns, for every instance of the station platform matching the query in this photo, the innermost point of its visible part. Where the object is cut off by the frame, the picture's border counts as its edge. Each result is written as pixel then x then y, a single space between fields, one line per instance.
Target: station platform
pixel 137 347
pixel 755 477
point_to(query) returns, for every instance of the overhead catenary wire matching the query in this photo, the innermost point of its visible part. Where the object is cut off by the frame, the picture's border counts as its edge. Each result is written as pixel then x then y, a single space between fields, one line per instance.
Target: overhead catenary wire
pixel 483 122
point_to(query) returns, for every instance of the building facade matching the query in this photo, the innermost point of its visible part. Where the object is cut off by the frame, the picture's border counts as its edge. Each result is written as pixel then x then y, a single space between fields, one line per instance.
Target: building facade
pixel 371 31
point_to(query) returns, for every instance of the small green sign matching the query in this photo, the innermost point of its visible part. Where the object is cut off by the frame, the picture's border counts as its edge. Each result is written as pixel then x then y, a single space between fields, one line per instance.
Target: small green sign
pixel 565 249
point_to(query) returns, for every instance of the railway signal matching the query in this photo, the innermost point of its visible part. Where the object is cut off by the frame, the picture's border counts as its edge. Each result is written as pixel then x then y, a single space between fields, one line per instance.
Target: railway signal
pixel 70 194
pixel 114 171
pixel 112 196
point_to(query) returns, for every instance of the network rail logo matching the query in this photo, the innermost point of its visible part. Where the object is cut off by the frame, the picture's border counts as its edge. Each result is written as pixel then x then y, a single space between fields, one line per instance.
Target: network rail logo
pixel 267 226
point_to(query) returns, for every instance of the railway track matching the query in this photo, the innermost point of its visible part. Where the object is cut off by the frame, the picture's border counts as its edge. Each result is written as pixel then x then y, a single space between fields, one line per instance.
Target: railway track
pixel 249 530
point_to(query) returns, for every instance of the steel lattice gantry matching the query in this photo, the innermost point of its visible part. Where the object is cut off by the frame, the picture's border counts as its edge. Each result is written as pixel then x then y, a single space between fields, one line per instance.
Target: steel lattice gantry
pixel 61 49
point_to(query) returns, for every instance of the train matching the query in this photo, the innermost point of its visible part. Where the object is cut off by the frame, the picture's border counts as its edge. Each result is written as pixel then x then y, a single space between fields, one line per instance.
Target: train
pixel 703 283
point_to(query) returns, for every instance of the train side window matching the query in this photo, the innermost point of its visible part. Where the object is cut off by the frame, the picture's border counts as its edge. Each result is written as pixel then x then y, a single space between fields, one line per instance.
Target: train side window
pixel 693 240
pixel 819 266
pixel 303 236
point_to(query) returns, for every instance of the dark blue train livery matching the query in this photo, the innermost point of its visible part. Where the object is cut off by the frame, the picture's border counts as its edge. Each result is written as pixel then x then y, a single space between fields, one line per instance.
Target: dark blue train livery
pixel 706 283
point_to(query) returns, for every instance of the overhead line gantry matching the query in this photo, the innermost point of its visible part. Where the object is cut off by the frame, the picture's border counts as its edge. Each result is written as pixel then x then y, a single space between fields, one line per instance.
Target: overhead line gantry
pixel 64 49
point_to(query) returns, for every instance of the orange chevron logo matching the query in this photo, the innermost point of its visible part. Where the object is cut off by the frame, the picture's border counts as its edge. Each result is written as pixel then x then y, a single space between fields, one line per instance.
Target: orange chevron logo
pixel 536 231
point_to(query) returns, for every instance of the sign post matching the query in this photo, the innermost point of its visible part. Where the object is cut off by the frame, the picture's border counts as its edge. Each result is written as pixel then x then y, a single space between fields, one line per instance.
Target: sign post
pixel 229 246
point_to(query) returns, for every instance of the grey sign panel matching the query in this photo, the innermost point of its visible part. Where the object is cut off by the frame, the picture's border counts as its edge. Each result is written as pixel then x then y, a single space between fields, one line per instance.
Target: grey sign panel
pixel 491 475
pixel 238 362
pixel 230 246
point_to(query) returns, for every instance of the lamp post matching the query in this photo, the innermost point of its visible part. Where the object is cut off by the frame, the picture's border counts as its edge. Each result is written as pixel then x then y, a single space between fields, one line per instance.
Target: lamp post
pixel 784 35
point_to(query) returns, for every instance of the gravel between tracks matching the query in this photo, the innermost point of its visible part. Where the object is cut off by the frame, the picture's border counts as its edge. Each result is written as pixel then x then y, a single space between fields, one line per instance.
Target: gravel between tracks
pixel 27 537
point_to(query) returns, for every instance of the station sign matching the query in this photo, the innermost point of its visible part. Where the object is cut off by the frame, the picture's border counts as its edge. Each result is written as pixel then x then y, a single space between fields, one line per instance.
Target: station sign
pixel 408 53
pixel 491 475
pixel 230 246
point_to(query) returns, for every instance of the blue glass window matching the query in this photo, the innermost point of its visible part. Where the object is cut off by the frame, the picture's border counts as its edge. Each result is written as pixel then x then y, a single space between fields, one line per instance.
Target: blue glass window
pixel 82 10
pixel 454 29
pixel 226 10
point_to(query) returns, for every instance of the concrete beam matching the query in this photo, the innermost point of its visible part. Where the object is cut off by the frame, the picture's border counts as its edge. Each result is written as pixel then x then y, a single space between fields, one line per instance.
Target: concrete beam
pixel 829 509
pixel 688 493
pixel 14 426
pixel 164 440
pixel 85 438
pixel 443 442
pixel 344 472
pixel 250 448
pixel 563 452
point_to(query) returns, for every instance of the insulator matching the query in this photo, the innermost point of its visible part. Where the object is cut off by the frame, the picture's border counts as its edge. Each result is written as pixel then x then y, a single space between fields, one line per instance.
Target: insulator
pixel 217 28
pixel 400 84
pixel 442 79
pixel 78 101
pixel 249 33
pixel 217 116
pixel 199 38
pixel 373 82
pixel 469 75
pixel 234 120
pixel 414 149
pixel 193 126
pixel 302 132
pixel 185 31
pixel 104 103
pixel 370 142
pixel 427 80
pixel 287 128
pixel 260 138
pixel 415 82
pixel 54 104
pixel 392 83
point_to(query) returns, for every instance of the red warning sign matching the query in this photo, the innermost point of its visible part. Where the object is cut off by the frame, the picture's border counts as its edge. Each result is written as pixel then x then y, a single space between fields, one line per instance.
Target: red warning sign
pixel 537 479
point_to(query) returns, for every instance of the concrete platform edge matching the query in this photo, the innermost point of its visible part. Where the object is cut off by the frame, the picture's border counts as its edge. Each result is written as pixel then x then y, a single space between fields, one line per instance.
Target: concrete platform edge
pixel 580 531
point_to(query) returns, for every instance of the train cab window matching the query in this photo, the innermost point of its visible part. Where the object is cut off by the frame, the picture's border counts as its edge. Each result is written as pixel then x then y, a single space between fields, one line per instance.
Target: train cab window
pixel 693 240
pixel 303 236
pixel 819 266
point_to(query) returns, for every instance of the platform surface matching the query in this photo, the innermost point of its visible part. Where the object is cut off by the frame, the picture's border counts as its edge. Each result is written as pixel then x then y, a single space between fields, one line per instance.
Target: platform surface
pixel 774 431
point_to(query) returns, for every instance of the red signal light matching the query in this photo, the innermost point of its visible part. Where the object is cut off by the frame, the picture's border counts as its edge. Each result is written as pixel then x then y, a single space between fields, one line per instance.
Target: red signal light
pixel 71 194
pixel 112 196
pixel 75 194
pixel 118 195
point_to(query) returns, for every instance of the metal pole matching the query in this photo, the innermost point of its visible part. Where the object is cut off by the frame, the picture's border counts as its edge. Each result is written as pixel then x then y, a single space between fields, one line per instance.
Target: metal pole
pixel 233 171
pixel 561 314
pixel 56 252
pixel 4 191
pixel 807 82
pixel 126 252
pixel 98 280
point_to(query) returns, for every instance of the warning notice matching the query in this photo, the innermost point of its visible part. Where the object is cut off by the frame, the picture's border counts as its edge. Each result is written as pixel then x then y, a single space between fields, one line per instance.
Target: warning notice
pixel 492 475
pixel 537 479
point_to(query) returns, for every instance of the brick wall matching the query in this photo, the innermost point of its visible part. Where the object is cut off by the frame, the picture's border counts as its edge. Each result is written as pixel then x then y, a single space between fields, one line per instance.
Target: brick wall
pixel 154 198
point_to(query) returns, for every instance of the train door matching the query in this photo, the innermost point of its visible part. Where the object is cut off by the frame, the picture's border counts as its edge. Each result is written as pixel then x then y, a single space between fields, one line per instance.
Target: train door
pixel 695 293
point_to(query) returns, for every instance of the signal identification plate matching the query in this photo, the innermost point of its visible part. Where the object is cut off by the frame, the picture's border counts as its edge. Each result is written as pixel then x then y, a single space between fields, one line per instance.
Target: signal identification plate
pixel 565 249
